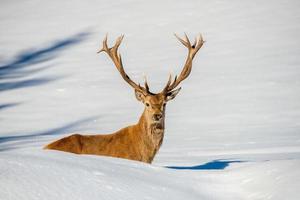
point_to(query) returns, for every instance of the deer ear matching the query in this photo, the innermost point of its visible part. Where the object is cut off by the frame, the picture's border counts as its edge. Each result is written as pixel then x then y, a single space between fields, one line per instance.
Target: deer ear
pixel 139 96
pixel 172 94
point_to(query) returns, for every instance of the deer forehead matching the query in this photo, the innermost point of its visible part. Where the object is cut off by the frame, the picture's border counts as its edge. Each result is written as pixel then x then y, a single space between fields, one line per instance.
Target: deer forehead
pixel 156 99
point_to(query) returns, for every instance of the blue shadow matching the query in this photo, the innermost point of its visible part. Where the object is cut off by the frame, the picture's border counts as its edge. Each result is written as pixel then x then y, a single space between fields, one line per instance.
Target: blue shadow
pixel 43 54
pixel 31 137
pixel 213 165
pixel 21 65
pixel 54 131
pixel 8 105
pixel 13 73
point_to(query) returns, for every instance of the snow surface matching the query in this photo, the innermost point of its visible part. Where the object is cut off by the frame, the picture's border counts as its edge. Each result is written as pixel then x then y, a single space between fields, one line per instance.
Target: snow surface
pixel 231 133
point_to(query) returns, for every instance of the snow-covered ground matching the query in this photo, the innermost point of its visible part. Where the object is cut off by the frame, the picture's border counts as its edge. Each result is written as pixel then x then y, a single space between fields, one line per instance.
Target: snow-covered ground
pixel 233 132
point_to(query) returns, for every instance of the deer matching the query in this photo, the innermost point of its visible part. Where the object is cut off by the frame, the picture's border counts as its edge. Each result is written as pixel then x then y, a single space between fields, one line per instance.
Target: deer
pixel 141 141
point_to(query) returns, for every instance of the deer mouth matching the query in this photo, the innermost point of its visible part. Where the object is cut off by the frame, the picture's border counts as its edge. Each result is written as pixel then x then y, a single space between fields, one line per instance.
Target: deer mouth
pixel 157 125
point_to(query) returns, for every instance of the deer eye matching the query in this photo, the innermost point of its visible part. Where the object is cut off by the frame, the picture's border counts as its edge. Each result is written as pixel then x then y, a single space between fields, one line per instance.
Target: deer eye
pixel 164 104
pixel 147 104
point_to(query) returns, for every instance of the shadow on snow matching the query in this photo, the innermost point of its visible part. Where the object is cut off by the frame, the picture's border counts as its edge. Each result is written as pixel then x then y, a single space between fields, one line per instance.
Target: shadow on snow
pixel 13 75
pixel 23 64
pixel 14 141
pixel 8 105
pixel 212 165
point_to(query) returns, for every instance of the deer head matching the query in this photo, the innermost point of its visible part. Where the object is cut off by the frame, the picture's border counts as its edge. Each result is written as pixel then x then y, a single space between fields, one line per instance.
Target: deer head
pixel 155 103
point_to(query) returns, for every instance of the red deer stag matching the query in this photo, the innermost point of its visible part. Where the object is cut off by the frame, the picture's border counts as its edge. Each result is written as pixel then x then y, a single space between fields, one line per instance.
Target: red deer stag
pixel 140 141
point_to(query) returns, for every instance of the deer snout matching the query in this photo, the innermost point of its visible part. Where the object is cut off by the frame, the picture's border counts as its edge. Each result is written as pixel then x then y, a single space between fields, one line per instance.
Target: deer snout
pixel 157 117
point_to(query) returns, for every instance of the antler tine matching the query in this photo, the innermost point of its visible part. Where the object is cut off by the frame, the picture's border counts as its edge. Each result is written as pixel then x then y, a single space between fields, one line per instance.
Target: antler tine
pixel 168 83
pixel 146 84
pixel 200 42
pixel 104 45
pixel 181 40
pixel 117 60
pixel 195 42
pixel 192 51
pixel 118 42
pixel 187 39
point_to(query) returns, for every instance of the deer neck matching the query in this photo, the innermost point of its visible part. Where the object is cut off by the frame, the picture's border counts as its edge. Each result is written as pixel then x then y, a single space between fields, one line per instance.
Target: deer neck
pixel 152 134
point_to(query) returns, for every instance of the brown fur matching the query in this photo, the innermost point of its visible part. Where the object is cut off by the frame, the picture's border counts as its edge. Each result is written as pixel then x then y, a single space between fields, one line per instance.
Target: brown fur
pixel 137 142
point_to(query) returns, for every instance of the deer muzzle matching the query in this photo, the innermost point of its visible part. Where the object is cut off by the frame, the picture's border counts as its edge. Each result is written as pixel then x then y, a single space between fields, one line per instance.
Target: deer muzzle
pixel 157 117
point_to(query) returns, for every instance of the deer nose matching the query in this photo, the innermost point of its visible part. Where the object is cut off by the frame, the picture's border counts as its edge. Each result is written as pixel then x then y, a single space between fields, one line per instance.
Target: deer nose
pixel 157 117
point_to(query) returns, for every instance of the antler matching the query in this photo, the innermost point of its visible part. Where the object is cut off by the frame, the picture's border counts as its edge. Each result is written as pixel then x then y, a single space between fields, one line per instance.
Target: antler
pixel 192 50
pixel 116 58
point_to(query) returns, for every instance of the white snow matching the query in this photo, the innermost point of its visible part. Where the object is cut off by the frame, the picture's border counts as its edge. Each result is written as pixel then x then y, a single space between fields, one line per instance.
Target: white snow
pixel 231 133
